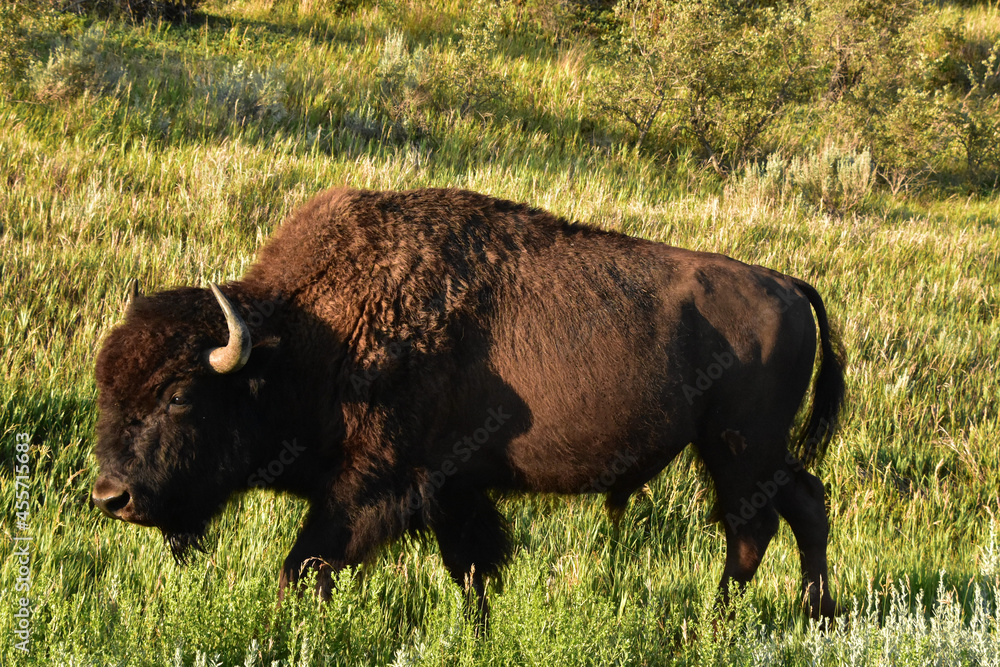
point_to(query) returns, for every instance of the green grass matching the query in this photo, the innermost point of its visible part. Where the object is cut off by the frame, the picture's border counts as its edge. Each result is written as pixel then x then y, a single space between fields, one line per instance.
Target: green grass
pixel 134 157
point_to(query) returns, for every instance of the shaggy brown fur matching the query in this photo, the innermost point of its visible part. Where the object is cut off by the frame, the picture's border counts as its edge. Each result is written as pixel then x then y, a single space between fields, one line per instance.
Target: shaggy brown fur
pixel 416 350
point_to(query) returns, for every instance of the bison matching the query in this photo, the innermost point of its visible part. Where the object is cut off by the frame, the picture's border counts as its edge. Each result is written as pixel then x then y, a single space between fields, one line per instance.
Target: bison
pixel 399 359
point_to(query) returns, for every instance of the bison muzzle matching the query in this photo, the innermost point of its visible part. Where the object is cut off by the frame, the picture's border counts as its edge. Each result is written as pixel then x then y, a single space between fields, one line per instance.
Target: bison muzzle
pixel 400 358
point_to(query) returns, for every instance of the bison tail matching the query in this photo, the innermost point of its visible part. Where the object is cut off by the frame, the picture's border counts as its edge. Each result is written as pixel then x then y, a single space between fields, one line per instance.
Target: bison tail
pixel 811 441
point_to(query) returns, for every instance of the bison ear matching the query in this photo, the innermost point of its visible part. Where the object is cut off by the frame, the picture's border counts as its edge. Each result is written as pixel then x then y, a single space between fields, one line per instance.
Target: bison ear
pixel 265 359
pixel 266 343
pixel 265 352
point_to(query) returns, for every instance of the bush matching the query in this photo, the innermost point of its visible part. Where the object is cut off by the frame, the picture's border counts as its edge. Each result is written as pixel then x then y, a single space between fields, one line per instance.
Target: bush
pixel 944 55
pixel 951 134
pixel 175 11
pixel 971 120
pixel 722 71
pixel 244 93
pixel 82 66
pixel 407 85
pixel 915 87
pixel 21 21
pixel 835 179
pixel 416 84
pixel 860 47
pixel 12 40
pixel 475 82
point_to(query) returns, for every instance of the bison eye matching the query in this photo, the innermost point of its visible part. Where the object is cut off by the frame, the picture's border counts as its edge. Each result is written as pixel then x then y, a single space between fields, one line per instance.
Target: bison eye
pixel 179 402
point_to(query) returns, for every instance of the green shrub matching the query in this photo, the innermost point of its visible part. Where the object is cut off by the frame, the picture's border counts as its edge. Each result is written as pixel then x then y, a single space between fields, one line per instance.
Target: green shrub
pixel 914 85
pixel 12 40
pixel 900 137
pixel 721 71
pixel 835 179
pixel 136 10
pixel 860 45
pixel 244 93
pixel 21 22
pixel 84 65
pixel 943 54
pixel 972 121
pixel 407 85
pixel 949 134
pixel 415 85
pixel 475 82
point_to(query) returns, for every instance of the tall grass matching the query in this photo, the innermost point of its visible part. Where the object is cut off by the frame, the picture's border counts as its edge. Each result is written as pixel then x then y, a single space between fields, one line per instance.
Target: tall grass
pixel 172 152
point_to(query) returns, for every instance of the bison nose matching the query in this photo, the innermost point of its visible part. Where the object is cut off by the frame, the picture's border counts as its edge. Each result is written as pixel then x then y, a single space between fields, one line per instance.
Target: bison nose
pixel 111 496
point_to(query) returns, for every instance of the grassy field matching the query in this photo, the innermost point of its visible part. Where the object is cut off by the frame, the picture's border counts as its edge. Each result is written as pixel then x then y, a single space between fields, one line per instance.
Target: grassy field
pixel 170 153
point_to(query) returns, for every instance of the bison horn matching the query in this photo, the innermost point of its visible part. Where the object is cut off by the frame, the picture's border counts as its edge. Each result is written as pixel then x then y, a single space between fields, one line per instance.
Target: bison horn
pixel 236 353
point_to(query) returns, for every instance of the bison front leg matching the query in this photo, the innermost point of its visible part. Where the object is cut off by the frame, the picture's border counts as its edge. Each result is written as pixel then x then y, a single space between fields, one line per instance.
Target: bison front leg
pixel 474 543
pixel 321 547
pixel 331 541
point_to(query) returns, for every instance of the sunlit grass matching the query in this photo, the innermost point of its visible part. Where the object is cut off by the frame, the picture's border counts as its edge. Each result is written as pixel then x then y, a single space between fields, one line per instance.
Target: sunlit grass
pixel 151 177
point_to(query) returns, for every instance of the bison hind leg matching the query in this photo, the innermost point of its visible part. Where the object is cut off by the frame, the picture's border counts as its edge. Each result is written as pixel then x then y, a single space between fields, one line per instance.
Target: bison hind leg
pixel 802 503
pixel 756 480
pixel 746 542
pixel 475 543
pixel 744 501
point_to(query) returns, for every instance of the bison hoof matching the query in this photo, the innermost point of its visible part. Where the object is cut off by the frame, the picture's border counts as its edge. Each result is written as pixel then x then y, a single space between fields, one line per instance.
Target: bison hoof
pixel 313 573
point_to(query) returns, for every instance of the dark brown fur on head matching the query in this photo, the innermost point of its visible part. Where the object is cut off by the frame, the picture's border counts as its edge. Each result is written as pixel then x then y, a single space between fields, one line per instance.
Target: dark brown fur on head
pixel 180 435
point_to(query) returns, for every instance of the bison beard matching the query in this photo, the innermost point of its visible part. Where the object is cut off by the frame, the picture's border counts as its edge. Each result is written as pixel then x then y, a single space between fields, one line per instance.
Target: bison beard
pixel 181 544
pixel 400 358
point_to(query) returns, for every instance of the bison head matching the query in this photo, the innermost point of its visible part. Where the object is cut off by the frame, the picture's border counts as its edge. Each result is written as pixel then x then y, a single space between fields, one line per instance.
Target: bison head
pixel 177 413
